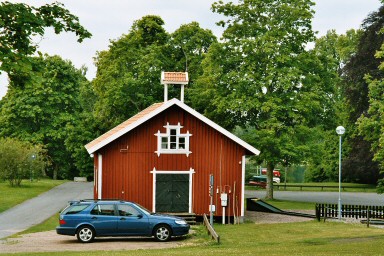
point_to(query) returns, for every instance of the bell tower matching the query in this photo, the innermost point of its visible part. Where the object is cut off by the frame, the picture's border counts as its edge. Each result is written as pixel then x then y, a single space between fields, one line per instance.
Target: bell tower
pixel 175 78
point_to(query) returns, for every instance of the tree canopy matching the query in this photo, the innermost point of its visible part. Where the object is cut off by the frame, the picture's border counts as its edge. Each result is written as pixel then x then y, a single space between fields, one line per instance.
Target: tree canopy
pixel 262 78
pixel 128 73
pixel 40 111
pixel 371 122
pixel 20 24
pixel 358 163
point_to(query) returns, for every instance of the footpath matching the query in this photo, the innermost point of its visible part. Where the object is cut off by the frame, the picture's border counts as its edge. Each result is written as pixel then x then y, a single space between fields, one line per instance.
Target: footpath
pixel 38 209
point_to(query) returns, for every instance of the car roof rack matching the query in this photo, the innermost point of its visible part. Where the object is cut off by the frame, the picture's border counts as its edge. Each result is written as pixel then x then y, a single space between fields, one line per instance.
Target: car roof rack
pixel 104 199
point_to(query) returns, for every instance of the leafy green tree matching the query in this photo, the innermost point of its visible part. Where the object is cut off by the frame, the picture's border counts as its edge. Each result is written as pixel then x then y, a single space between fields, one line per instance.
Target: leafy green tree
pixel 359 162
pixel 20 160
pixel 128 73
pixel 189 45
pixel 262 78
pixel 82 130
pixel 20 23
pixel 371 124
pixel 41 112
pixel 332 52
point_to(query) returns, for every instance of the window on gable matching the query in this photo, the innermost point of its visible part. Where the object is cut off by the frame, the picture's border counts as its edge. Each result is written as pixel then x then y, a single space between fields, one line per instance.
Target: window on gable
pixel 173 141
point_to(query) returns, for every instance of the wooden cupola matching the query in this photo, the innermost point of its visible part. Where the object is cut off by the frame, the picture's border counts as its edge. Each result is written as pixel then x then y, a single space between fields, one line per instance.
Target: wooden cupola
pixel 175 78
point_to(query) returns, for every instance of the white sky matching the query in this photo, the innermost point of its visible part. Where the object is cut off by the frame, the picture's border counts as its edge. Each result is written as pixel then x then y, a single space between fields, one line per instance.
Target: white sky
pixel 110 19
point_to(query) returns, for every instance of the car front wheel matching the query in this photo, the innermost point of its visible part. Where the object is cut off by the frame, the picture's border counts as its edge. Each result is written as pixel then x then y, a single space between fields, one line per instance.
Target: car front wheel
pixel 85 234
pixel 162 233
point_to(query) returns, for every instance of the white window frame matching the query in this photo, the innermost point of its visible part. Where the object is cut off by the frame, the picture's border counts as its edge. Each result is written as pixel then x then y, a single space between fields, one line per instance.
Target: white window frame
pixel 160 150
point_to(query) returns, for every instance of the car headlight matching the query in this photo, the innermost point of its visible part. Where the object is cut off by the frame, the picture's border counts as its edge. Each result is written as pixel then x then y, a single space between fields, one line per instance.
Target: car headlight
pixel 181 222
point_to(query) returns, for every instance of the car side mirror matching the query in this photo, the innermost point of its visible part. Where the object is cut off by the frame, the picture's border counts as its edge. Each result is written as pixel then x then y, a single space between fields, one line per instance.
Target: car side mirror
pixel 140 216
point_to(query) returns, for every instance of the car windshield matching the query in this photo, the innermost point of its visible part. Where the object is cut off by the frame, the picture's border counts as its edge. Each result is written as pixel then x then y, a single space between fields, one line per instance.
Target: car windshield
pixel 73 209
pixel 143 209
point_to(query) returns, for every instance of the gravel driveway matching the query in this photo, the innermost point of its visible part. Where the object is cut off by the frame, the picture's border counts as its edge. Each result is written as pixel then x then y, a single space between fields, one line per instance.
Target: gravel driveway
pixel 51 242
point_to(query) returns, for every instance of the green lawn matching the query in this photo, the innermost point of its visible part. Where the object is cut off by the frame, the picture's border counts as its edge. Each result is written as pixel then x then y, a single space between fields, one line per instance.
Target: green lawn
pixel 302 238
pixel 11 196
pixel 291 205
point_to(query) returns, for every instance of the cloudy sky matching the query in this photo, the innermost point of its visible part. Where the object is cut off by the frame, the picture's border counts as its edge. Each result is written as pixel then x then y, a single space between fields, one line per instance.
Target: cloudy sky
pixel 110 19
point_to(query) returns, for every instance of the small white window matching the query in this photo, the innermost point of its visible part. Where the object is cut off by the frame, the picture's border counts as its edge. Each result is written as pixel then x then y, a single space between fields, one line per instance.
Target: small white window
pixel 173 141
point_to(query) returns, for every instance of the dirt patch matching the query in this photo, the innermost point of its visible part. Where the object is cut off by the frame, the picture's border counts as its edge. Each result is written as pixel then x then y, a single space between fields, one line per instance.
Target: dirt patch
pixel 51 242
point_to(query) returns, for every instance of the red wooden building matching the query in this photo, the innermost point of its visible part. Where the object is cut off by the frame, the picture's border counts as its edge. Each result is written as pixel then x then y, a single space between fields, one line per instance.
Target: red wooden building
pixel 162 158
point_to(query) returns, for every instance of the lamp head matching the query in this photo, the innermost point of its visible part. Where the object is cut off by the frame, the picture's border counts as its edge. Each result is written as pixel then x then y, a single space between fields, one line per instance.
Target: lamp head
pixel 340 130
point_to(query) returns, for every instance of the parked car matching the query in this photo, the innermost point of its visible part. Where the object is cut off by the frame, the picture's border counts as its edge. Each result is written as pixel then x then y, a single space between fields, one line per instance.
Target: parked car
pixel 88 219
pixel 276 180
pixel 259 181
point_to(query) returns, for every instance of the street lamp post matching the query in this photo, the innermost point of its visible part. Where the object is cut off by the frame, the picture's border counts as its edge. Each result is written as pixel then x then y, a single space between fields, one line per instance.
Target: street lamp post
pixel 33 157
pixel 340 130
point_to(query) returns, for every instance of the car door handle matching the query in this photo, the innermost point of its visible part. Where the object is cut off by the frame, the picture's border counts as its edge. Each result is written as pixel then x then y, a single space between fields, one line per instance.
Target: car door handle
pixel 122 218
pixel 94 218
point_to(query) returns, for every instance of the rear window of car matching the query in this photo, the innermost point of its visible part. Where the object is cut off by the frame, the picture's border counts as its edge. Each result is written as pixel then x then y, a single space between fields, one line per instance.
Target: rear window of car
pixel 73 209
pixel 103 209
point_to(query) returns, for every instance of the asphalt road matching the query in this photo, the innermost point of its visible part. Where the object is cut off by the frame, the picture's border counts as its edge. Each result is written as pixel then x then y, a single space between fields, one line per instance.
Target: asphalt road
pixel 38 209
pixel 322 197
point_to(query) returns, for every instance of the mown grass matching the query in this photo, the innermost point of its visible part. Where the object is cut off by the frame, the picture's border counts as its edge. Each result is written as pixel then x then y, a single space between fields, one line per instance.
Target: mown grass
pixel 291 205
pixel 11 196
pixel 47 225
pixel 302 238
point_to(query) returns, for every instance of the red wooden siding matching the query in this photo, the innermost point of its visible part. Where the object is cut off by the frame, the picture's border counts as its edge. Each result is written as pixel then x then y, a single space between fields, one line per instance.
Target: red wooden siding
pixel 127 173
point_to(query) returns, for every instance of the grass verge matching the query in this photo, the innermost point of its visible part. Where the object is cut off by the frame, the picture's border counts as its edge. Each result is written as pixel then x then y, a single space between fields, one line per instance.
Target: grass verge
pixel 313 186
pixel 11 196
pixel 47 225
pixel 291 205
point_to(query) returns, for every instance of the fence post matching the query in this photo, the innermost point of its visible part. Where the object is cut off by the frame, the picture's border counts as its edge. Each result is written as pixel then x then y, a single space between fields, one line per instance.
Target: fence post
pixel 317 212
pixel 325 212
pixel 368 216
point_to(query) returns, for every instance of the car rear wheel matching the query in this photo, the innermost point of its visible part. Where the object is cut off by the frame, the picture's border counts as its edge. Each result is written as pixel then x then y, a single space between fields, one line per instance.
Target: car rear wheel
pixel 162 233
pixel 85 234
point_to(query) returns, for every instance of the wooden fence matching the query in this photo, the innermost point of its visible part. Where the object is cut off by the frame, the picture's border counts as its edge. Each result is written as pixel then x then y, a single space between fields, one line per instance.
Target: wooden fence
pixel 283 186
pixel 349 211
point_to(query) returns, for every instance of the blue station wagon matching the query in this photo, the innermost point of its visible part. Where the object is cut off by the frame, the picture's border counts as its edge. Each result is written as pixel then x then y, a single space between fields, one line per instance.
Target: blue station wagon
pixel 88 219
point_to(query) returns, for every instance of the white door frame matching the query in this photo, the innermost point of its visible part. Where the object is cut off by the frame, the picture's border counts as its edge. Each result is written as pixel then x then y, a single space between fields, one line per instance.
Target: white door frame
pixel 155 172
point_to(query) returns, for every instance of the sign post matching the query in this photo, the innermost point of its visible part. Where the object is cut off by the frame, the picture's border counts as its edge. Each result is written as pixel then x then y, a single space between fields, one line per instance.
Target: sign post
pixel 211 195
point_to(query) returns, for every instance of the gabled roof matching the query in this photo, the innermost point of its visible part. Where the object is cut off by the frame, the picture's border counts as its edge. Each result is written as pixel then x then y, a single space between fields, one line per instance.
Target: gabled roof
pixel 174 78
pixel 152 111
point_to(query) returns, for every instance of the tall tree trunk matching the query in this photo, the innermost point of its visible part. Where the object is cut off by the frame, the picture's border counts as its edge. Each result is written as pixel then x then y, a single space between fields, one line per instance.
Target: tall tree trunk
pixel 270 168
pixel 54 173
pixel 43 172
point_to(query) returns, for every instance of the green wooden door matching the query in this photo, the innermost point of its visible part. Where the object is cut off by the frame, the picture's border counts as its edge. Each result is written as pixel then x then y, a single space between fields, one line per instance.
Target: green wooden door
pixel 172 193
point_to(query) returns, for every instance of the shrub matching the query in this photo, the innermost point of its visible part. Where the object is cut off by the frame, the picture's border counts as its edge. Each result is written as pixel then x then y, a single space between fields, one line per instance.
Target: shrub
pixel 19 160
